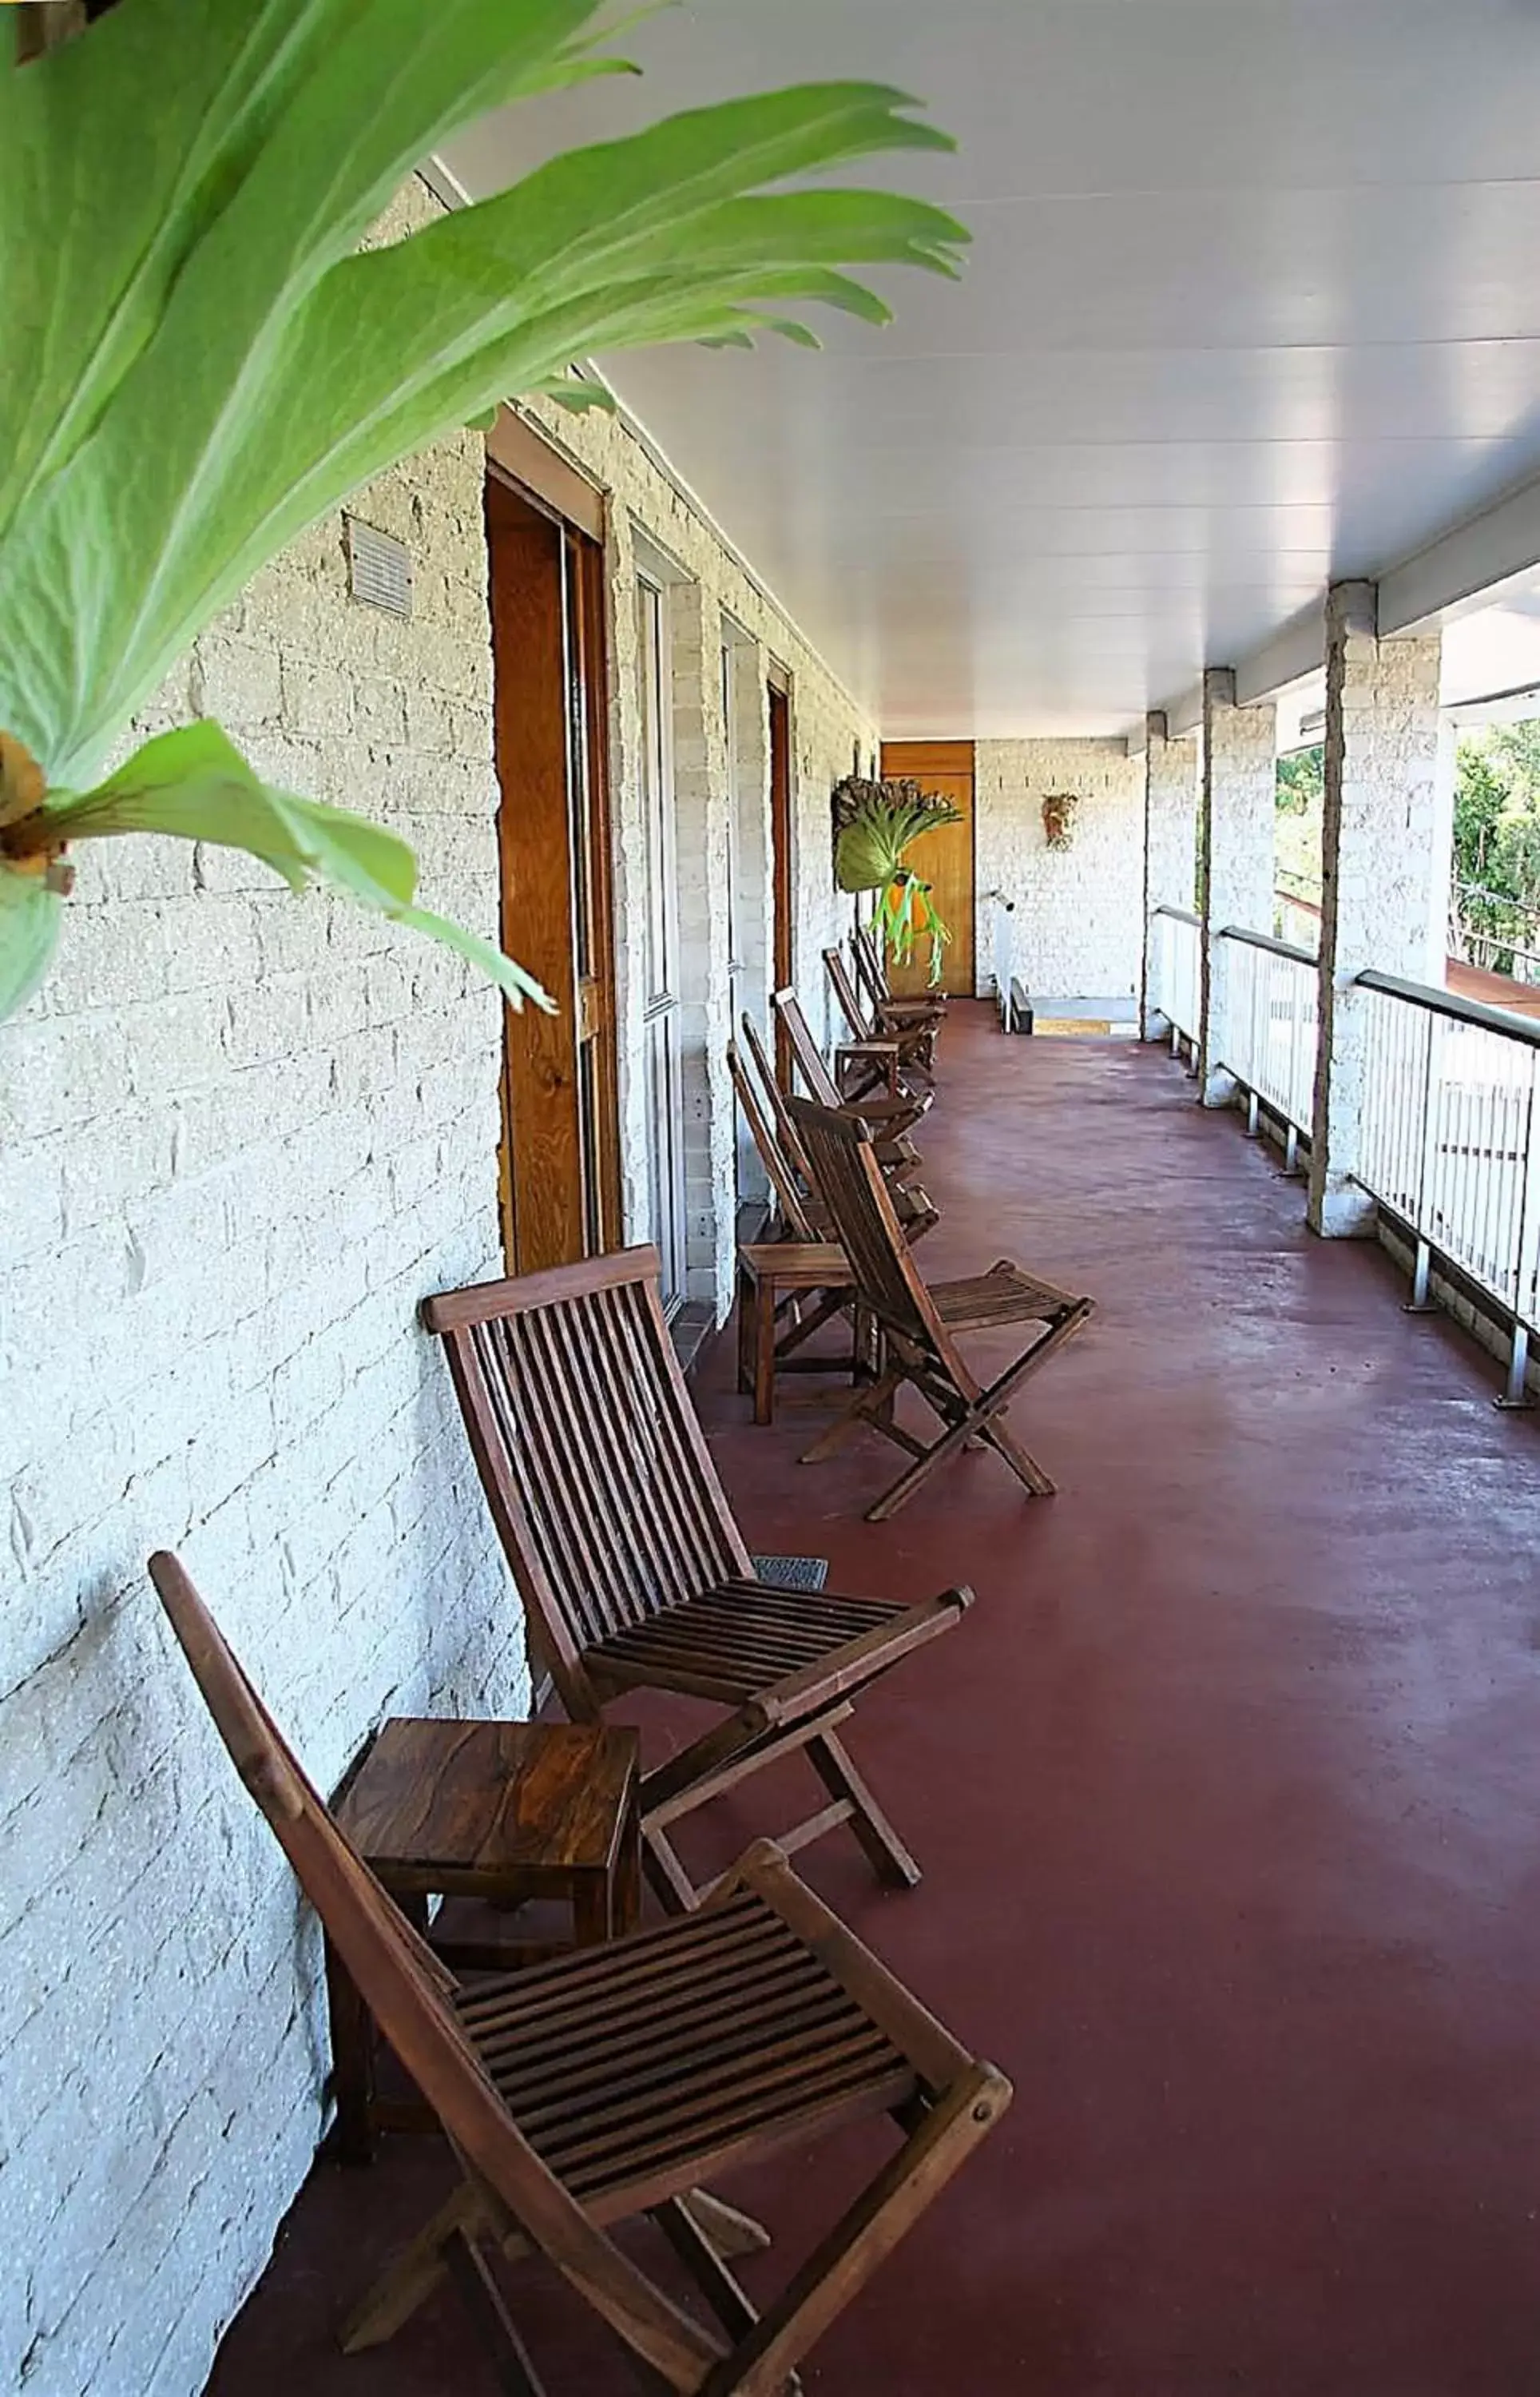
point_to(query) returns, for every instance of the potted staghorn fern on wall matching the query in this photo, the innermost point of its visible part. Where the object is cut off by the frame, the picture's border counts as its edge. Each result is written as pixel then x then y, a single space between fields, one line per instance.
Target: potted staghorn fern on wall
pixel 201 361
pixel 874 824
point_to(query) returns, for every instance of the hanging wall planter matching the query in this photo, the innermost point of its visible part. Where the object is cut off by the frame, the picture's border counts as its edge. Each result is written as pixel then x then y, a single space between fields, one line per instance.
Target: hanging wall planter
pixel 874 824
pixel 1059 811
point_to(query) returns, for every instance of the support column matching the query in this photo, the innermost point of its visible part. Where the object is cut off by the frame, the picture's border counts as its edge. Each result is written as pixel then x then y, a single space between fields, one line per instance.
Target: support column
pixel 1171 838
pixel 1385 868
pixel 1236 839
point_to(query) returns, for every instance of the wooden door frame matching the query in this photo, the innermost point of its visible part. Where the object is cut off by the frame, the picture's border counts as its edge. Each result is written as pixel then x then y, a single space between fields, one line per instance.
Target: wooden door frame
pixel 592 620
pixel 568 670
pixel 783 859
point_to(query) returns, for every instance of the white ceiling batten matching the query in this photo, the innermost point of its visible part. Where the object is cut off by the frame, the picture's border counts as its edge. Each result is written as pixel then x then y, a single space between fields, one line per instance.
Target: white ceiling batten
pixel 1253 305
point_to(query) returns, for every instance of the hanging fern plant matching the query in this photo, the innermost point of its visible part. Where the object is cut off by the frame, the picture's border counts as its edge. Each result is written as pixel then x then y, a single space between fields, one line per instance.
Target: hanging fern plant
pixel 875 824
pixel 201 361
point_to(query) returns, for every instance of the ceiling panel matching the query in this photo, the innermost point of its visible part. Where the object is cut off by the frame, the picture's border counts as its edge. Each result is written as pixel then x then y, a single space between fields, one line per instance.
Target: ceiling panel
pixel 1253 301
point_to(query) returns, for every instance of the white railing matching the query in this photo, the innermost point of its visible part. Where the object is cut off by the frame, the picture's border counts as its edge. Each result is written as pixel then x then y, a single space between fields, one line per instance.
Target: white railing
pixel 1267 1032
pixel 1448 1140
pixel 1449 1133
pixel 1002 950
pixel 1175 969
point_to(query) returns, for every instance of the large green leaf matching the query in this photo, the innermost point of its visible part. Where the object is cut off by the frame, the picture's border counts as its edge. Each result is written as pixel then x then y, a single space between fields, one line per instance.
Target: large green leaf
pixel 193 784
pixel 270 390
pixel 119 155
pixel 203 363
pixel 30 913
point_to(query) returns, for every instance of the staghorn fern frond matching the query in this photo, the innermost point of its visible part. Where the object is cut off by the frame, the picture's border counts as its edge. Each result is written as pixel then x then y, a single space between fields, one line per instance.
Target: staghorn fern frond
pixel 204 362
pixel 877 822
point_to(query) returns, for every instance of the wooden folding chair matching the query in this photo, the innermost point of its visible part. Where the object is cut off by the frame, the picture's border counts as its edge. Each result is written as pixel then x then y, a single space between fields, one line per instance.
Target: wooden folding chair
pixel 862 1067
pixel 788 1288
pixel 886 1114
pixel 915 1040
pixel 609 2084
pixel 633 1568
pixel 871 975
pixel 766 1113
pixel 920 1324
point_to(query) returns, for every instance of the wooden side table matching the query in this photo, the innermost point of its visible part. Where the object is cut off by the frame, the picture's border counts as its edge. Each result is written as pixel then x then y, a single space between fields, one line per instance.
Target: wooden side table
pixel 768 1270
pixel 504 1812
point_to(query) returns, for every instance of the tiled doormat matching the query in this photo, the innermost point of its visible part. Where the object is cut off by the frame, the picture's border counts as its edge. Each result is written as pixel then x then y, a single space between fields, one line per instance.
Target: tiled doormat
pixel 793 1573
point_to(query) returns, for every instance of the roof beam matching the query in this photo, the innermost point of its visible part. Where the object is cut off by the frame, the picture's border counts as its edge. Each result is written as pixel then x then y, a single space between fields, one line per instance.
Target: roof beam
pixel 1187 716
pixel 1296 649
pixel 1465 568
pixel 1475 565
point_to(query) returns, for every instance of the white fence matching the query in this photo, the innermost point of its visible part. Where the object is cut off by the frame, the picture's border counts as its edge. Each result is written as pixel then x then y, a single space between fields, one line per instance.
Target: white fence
pixel 1269 1022
pixel 1450 1135
pixel 1448 1140
pixel 1175 968
pixel 1003 949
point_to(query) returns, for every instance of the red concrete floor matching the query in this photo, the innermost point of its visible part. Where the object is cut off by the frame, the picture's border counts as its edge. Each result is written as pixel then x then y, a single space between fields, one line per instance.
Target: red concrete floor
pixel 1228 1797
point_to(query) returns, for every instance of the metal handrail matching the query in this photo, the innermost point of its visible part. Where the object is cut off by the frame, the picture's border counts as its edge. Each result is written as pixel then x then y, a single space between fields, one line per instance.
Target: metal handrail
pixel 1512 1025
pixel 1179 915
pixel 1267 941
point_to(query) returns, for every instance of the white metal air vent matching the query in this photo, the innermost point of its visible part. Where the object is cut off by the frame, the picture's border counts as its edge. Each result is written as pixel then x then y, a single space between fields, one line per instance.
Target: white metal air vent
pixel 379 569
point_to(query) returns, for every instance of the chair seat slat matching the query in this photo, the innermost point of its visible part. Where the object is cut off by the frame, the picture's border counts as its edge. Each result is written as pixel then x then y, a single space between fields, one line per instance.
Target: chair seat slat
pixel 740 2104
pixel 538 1989
pixel 741 2020
pixel 635 2020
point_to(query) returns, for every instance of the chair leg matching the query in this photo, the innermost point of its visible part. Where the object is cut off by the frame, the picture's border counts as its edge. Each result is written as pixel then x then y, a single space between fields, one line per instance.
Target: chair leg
pixel 731 2304
pixel 871 1400
pixel 730 2231
pixel 671 1886
pixel 484 2302
pixel 840 2265
pixel 702 2258
pixel 410 2278
pixel 981 1421
pixel 837 1770
pixel 956 1436
pixel 998 1436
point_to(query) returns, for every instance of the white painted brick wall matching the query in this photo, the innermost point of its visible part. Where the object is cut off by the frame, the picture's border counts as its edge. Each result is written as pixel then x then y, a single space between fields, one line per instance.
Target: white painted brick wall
pixel 1078 911
pixel 240 1135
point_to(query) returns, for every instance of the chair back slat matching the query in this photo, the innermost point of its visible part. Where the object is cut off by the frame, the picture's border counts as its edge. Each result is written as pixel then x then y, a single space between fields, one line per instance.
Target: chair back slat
pixel 406 1989
pixel 791 1139
pixel 777 1165
pixel 863 1026
pixel 804 1049
pixel 866 1223
pixel 590 1454
pixel 869 968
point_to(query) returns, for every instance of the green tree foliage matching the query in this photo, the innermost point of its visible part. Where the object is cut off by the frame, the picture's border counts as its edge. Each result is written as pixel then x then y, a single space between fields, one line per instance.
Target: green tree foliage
pixel 1302 781
pixel 1301 791
pixel 1497 836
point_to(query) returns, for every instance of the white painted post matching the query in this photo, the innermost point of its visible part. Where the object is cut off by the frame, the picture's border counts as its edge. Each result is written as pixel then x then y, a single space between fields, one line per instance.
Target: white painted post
pixel 1236 838
pixel 1384 869
pixel 1171 843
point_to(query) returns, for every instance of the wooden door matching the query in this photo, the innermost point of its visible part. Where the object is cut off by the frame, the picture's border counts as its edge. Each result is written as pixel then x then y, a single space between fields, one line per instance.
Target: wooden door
pixel 783 862
pixel 560 1159
pixel 944 858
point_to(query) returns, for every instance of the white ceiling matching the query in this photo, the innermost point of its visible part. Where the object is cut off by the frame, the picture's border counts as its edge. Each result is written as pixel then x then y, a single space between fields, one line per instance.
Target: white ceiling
pixel 1253 302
